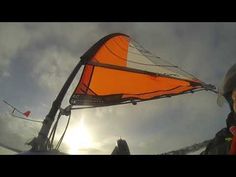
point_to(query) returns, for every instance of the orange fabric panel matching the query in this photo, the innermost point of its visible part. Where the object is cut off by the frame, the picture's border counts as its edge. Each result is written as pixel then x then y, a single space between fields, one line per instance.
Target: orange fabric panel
pixel 107 81
pixel 85 79
pixel 113 51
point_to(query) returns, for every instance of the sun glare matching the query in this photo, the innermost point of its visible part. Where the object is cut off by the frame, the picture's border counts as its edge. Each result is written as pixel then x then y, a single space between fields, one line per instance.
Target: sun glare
pixel 78 138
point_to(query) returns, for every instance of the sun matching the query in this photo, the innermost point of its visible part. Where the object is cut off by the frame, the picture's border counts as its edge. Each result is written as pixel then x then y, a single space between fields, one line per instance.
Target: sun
pixel 78 138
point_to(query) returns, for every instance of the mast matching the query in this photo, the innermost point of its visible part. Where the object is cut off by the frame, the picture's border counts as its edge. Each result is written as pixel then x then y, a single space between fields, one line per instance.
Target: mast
pixel 39 143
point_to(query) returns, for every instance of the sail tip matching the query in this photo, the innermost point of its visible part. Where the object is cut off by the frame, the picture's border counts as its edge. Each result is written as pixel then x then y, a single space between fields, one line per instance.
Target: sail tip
pixel 210 87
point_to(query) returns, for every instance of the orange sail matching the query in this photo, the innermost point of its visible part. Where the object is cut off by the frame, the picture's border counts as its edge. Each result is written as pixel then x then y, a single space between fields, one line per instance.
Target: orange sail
pixel 119 70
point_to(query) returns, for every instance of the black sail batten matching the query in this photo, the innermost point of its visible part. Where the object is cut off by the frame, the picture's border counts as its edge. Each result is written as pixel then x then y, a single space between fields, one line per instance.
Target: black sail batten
pixel 143 72
pixel 128 101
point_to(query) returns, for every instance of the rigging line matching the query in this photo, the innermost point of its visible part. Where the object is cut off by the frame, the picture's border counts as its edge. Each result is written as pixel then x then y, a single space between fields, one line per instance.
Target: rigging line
pixel 138 46
pixel 49 143
pixel 81 89
pixel 60 141
pixel 131 61
pixel 141 53
pixel 216 92
pixel 122 41
pixel 149 92
pixel 53 135
pixel 14 109
pixel 142 50
pixel 85 87
pixel 103 105
pixel 178 70
pixel 136 43
pixel 88 89
pixel 146 93
pixel 38 121
pixel 131 51
pixel 90 79
pixel 53 131
pixel 137 101
pixel 132 96
pixel 153 91
pixel 127 69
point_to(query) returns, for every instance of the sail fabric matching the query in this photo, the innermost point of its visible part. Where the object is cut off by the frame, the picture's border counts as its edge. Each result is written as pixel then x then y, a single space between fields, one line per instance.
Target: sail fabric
pixel 118 69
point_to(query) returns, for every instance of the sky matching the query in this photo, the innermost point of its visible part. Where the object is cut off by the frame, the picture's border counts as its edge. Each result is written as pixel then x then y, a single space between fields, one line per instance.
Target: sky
pixel 37 58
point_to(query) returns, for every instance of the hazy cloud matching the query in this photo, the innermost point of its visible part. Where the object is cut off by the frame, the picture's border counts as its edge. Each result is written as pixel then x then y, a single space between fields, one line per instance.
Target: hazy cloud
pixel 52 68
pixel 37 58
pixel 13 38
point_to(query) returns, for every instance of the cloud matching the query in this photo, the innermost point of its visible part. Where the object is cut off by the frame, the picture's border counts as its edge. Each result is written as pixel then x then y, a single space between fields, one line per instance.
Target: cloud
pixel 14 37
pixel 196 47
pixel 52 67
